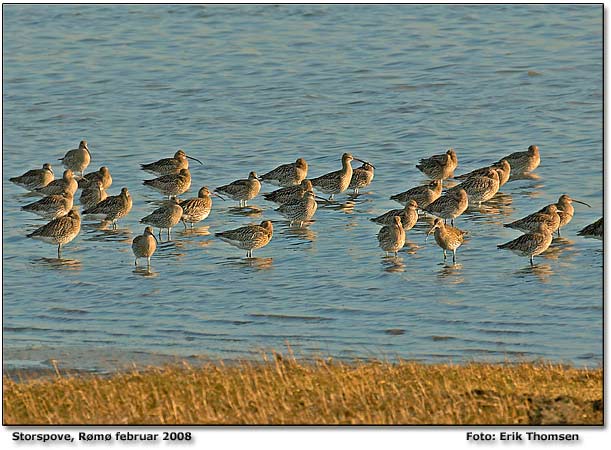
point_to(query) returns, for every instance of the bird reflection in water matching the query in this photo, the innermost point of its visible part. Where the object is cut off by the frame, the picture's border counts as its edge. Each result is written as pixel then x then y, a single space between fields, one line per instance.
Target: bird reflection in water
pixel 105 232
pixel 500 204
pixel 560 246
pixel 196 231
pixel 451 273
pixel 347 207
pixel 59 263
pixel 304 233
pixel 411 248
pixel 247 211
pixel 542 271
pixel 524 176
pixel 145 272
pixel 252 262
pixel 393 264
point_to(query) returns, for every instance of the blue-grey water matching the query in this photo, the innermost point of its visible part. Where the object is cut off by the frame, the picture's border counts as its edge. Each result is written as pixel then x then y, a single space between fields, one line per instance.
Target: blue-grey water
pixel 250 87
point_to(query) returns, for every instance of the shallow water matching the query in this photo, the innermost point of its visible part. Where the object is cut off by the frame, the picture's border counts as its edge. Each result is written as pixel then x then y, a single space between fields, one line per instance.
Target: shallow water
pixel 249 87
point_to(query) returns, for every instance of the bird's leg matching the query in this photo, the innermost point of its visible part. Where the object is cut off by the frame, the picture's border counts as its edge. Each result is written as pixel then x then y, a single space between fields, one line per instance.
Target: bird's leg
pixel 148 261
pixel 331 197
pixel 59 251
pixel 301 224
pixel 531 260
pixel 452 222
pixel 558 231
pixel 454 256
pixel 159 234
pixel 136 262
pixel 185 224
pixel 445 221
pixel 444 255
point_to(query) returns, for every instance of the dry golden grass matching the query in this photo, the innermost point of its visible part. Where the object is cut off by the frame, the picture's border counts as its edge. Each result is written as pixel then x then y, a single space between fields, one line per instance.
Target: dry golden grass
pixel 286 391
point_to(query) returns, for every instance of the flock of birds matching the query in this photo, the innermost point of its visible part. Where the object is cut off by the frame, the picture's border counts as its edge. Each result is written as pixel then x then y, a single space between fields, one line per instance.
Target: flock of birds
pixel 296 199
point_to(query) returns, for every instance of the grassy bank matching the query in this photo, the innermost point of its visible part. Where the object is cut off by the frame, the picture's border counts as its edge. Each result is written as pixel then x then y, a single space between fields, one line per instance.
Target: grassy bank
pixel 284 391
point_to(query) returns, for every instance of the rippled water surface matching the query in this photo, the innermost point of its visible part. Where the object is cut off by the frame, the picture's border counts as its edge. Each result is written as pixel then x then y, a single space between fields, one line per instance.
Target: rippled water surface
pixel 250 87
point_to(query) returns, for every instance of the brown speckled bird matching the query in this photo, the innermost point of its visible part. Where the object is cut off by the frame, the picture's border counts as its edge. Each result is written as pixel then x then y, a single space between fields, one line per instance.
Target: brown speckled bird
pixel 59 231
pixel 78 159
pixel 423 195
pixel 113 208
pixel 242 190
pixel 250 237
pixel 144 246
pixel 447 237
pixel 391 238
pixel 35 178
pixel 524 162
pixel 287 174
pixel 169 166
pixel 439 167
pixel 531 244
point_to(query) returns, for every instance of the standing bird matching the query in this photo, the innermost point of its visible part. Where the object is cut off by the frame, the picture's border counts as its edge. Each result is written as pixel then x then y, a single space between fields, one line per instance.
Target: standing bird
pixel 479 188
pixel 250 237
pixel 171 185
pixel 336 182
pixel 78 159
pixel 169 166
pixel 299 210
pixel 284 195
pixel 52 206
pixel 166 216
pixel 595 230
pixel 531 244
pixel 408 215
pixel 102 175
pixel 35 178
pixel 449 206
pixel 391 238
pixel 524 162
pixel 144 246
pixel 197 209
pixel 439 167
pixel 502 167
pixel 93 194
pixel 287 174
pixel 67 184
pixel 59 231
pixel 532 223
pixel 423 195
pixel 361 177
pixel 447 237
pixel 566 210
pixel 113 208
pixel 242 190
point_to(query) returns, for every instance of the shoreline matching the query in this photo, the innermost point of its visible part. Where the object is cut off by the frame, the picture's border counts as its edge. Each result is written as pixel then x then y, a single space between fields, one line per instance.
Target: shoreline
pixel 281 390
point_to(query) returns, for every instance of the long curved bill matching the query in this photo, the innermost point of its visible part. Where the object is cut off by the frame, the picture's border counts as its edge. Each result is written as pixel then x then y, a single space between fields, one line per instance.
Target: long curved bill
pixel 583 203
pixel 428 233
pixel 321 199
pixel 363 161
pixel 217 195
pixel 194 159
